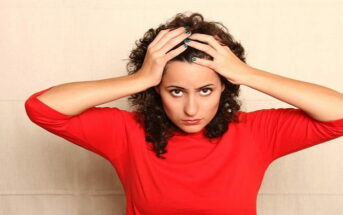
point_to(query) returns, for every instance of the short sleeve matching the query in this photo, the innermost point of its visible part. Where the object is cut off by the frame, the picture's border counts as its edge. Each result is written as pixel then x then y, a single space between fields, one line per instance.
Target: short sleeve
pixel 281 131
pixel 98 129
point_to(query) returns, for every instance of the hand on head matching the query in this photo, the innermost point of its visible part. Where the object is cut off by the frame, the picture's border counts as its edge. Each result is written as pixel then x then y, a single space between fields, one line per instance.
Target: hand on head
pixel 158 53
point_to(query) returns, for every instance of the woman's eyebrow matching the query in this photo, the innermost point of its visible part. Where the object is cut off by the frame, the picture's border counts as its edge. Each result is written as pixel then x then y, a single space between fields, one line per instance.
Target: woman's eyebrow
pixel 184 88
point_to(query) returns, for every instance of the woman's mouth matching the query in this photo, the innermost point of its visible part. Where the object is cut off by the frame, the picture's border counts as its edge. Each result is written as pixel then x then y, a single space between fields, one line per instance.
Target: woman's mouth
pixel 191 122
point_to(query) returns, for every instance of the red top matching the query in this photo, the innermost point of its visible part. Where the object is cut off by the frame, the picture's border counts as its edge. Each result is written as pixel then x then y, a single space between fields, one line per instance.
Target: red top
pixel 198 176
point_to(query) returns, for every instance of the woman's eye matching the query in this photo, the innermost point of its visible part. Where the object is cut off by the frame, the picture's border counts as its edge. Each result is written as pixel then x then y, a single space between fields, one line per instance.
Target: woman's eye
pixel 175 90
pixel 207 89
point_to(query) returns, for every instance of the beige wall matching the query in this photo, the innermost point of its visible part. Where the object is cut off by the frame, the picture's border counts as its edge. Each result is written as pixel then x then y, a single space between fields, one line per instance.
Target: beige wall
pixel 48 42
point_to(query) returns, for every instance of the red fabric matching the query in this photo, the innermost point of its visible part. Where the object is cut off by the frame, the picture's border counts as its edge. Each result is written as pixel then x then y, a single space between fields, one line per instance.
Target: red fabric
pixel 199 177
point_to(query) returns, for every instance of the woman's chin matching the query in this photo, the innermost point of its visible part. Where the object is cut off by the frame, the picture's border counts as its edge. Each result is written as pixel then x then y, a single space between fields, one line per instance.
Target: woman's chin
pixel 191 129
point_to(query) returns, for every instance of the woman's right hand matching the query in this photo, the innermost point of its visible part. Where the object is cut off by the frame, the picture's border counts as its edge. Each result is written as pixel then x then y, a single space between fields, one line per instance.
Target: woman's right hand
pixel 157 57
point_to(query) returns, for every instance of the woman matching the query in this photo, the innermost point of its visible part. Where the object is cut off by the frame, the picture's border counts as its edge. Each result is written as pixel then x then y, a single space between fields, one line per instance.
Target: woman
pixel 189 69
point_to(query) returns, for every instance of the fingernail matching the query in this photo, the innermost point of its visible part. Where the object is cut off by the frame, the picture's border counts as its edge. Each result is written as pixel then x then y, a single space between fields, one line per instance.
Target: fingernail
pixel 184 45
pixel 186 27
pixel 194 58
pixel 186 41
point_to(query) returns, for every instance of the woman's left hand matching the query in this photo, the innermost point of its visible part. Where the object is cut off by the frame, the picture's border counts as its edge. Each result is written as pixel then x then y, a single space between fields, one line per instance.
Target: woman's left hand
pixel 225 62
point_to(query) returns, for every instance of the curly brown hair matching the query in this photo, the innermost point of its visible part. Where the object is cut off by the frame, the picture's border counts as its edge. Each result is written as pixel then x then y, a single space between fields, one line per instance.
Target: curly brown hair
pixel 147 104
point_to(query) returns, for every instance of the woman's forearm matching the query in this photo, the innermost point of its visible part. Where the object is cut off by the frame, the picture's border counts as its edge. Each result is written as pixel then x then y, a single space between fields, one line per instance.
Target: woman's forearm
pixel 321 103
pixel 75 97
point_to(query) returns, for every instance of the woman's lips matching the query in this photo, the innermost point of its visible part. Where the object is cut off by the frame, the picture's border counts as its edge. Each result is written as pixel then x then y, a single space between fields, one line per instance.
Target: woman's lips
pixel 191 122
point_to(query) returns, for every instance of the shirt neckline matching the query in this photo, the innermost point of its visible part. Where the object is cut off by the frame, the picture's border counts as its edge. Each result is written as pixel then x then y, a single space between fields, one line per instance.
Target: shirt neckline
pixel 195 134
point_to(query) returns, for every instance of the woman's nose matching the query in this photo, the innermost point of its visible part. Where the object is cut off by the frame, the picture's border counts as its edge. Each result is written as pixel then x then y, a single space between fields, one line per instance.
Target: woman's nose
pixel 191 106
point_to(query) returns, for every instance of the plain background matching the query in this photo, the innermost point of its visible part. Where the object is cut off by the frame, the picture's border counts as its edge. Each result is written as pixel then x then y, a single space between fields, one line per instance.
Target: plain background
pixel 49 42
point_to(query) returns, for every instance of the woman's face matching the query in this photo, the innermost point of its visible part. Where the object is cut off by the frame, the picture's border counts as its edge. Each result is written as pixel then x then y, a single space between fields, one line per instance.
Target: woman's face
pixel 190 91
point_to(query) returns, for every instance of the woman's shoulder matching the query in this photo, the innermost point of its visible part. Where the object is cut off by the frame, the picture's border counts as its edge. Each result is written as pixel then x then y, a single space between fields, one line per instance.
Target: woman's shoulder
pixel 248 115
pixel 116 114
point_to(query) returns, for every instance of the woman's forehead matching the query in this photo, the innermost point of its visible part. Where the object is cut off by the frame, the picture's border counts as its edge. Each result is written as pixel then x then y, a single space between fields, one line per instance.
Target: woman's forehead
pixel 178 72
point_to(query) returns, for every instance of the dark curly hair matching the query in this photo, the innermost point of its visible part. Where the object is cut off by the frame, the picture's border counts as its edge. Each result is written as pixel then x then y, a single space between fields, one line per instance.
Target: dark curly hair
pixel 147 104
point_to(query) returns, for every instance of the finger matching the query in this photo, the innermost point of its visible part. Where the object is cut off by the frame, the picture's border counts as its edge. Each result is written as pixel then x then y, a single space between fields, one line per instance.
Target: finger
pixel 203 62
pixel 170 55
pixel 203 47
pixel 159 36
pixel 168 36
pixel 173 42
pixel 208 39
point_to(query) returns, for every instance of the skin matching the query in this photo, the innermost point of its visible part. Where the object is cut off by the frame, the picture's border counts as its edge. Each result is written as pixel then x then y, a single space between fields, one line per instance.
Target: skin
pixel 190 102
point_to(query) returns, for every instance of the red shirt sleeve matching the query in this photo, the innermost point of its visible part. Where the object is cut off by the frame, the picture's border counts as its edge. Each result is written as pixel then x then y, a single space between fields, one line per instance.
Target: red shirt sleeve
pixel 99 129
pixel 283 131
